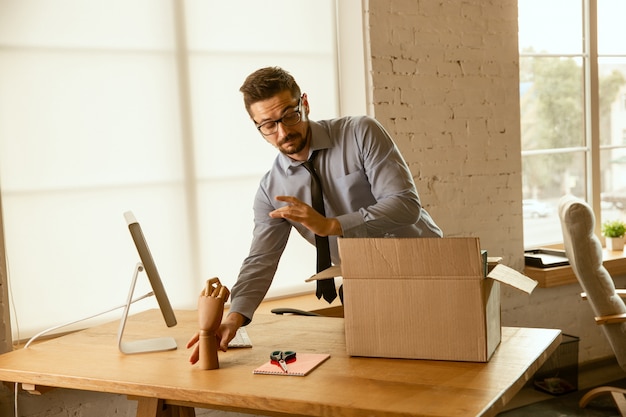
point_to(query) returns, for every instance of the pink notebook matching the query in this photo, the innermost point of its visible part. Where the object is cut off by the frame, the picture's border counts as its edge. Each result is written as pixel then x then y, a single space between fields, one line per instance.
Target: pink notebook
pixel 304 363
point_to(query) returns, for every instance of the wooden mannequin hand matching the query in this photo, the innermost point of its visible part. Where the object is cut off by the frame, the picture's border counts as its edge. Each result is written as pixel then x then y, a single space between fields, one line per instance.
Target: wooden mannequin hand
pixel 211 305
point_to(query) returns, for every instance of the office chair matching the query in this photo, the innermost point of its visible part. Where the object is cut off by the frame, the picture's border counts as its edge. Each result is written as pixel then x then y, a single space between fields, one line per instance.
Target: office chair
pixel 584 252
pixel 335 311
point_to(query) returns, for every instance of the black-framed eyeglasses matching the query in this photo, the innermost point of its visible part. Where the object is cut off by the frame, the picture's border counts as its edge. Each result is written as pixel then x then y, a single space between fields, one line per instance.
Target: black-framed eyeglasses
pixel 290 119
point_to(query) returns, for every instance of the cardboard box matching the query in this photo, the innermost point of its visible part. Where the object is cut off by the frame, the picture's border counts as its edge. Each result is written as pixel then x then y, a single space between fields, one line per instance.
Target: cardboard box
pixel 422 298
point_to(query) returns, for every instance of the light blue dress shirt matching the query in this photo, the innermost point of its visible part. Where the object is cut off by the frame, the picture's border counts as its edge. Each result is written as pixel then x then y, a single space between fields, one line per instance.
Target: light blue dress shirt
pixel 366 184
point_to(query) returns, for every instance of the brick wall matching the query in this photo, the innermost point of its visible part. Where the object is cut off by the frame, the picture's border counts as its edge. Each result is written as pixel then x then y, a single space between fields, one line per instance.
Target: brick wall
pixel 445 79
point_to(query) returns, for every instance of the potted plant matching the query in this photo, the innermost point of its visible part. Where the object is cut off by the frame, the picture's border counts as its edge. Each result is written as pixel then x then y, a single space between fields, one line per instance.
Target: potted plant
pixel 614 231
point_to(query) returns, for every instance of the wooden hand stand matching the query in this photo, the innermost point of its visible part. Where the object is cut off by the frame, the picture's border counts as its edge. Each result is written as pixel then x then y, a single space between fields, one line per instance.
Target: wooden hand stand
pixel 210 311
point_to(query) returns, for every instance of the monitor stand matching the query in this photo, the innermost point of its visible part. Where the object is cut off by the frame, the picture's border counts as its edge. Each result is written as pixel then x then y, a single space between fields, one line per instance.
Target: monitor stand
pixel 140 346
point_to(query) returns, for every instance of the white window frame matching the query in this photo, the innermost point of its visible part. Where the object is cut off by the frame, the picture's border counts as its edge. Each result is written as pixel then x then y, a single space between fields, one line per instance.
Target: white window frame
pixel 591 109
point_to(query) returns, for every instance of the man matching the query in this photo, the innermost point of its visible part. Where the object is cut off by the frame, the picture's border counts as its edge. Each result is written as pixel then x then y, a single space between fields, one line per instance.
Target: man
pixel 368 190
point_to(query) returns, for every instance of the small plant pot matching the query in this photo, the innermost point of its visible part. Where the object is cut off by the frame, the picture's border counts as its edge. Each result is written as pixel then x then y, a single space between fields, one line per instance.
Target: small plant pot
pixel 615 243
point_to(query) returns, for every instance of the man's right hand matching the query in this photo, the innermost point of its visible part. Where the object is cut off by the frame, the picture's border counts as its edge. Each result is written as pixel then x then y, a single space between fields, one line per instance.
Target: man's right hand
pixel 225 333
pixel 228 329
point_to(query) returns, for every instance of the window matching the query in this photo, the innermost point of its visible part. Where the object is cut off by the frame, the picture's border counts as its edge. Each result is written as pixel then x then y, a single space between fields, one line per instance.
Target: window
pixel 136 106
pixel 572 80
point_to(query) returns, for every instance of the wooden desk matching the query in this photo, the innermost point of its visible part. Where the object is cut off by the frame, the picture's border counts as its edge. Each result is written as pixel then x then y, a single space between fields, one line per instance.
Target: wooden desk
pixel 341 386
pixel 613 261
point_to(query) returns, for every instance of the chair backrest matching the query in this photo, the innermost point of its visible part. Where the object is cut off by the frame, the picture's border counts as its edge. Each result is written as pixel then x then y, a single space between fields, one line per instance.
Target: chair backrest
pixel 584 251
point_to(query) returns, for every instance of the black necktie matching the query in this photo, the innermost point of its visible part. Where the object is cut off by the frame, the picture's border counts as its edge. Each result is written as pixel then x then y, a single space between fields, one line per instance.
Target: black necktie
pixel 325 287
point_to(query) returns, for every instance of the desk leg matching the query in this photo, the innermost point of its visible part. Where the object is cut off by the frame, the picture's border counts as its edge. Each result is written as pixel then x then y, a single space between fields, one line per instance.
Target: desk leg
pixel 149 407
pixel 153 407
pixel 180 411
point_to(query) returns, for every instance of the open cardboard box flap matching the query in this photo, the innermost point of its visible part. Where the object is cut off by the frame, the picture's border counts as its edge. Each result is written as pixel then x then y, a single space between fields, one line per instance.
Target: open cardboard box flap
pixel 510 276
pixel 332 272
pixel 501 273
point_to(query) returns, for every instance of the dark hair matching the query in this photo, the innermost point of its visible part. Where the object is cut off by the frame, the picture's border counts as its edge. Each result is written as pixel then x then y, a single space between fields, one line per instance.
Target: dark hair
pixel 265 83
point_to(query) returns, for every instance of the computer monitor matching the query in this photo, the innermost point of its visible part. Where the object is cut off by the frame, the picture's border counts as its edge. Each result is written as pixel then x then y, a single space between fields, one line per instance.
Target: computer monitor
pixel 147 263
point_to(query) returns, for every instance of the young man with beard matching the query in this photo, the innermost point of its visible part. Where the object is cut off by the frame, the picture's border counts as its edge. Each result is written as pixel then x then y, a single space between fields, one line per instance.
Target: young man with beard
pixel 368 190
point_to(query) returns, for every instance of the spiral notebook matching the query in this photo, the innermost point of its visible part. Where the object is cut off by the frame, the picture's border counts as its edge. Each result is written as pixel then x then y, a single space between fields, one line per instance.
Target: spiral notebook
pixel 304 363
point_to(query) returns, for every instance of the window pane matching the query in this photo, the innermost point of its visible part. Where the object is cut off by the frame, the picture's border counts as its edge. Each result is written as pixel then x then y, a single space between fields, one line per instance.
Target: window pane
pixel 613 196
pixel 90 126
pixel 223 53
pixel 551 104
pixel 99 119
pixel 110 24
pixel 231 156
pixel 611 27
pixel 614 177
pixel 543 186
pixel 537 30
pixel 613 137
pixel 612 100
pixel 261 27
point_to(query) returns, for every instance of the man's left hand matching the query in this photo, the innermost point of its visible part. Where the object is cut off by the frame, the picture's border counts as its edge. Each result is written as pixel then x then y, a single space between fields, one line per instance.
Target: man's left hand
pixel 300 212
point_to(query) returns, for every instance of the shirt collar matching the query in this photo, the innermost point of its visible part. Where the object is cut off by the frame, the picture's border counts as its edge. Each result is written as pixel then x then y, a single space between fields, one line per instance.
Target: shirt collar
pixel 319 140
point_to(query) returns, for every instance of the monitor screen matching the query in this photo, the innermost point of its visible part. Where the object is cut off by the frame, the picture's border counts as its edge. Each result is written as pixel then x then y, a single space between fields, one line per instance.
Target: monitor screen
pixel 150 268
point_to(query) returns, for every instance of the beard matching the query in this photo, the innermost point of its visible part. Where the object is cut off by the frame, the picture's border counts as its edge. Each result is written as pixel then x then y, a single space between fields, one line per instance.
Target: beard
pixel 292 144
